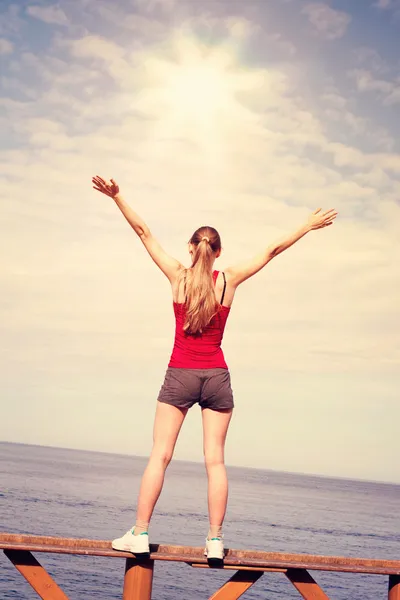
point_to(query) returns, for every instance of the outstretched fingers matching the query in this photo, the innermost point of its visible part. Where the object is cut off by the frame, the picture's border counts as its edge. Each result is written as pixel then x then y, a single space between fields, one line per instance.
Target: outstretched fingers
pixel 319 219
pixel 329 221
pixel 101 185
pixel 331 216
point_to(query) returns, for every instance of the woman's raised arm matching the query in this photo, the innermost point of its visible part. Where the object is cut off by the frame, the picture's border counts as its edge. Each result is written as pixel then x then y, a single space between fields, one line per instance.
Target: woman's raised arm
pixel 168 265
pixel 239 273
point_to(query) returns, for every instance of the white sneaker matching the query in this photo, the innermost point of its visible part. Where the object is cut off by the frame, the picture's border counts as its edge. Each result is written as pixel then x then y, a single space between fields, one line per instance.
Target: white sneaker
pixel 137 544
pixel 214 550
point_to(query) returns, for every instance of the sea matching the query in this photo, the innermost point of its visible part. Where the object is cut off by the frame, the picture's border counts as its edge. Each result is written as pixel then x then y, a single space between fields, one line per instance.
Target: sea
pixel 82 494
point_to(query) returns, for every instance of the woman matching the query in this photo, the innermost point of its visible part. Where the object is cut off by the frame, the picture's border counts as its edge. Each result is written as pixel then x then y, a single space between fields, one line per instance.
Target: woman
pixel 197 372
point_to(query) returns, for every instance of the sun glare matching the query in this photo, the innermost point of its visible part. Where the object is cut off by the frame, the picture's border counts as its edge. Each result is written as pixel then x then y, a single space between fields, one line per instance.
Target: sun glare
pixel 195 95
pixel 198 92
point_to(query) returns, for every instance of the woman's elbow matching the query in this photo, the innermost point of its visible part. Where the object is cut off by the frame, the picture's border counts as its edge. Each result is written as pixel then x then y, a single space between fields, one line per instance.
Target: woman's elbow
pixel 272 252
pixel 143 232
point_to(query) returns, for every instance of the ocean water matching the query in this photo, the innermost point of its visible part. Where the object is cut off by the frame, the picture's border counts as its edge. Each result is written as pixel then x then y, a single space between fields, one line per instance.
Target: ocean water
pixel 70 493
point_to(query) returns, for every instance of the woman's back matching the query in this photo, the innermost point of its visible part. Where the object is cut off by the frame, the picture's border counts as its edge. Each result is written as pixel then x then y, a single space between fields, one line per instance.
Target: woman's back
pixel 178 289
pixel 200 351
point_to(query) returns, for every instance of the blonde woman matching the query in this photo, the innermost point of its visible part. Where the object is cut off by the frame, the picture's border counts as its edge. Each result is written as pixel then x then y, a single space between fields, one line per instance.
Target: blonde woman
pixel 197 371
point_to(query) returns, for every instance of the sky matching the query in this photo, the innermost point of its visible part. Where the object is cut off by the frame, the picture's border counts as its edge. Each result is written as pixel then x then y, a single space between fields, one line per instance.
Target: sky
pixel 245 116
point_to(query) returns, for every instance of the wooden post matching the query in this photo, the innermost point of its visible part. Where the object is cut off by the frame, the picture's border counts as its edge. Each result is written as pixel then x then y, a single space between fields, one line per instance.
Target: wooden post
pixel 35 575
pixel 138 580
pixel 237 585
pixel 394 587
pixel 305 584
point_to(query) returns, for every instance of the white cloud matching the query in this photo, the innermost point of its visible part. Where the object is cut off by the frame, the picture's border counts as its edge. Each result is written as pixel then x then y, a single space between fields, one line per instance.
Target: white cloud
pixel 329 23
pixel 143 25
pixel 383 4
pixel 346 117
pixel 10 21
pixel 371 59
pixel 366 82
pixel 6 47
pixel 241 28
pixel 155 5
pixel 286 46
pixel 389 6
pixel 93 46
pixel 393 97
pixel 49 14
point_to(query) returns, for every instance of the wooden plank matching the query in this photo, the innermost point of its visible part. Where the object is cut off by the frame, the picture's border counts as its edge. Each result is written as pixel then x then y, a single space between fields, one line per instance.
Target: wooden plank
pixel 238 558
pixel 237 585
pixel 305 584
pixel 394 587
pixel 35 575
pixel 138 580
pixel 235 568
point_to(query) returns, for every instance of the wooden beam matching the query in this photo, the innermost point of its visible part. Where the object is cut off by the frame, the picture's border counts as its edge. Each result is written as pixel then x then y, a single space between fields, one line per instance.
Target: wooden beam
pixel 237 585
pixel 138 580
pixel 236 558
pixel 306 585
pixel 394 587
pixel 236 568
pixel 35 575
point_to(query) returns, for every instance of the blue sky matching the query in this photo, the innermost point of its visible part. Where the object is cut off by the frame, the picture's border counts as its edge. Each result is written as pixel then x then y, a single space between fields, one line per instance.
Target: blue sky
pixel 246 116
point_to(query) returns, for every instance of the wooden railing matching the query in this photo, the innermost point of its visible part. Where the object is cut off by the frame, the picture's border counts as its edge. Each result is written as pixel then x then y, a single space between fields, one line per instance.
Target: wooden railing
pixel 249 566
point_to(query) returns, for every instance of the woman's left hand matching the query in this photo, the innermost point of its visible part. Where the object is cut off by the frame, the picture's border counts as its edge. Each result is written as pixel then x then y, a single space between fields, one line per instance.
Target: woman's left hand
pixel 319 219
pixel 101 185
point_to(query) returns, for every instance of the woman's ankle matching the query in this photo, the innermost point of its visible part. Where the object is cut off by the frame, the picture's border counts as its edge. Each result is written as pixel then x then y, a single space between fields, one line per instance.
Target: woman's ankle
pixel 215 531
pixel 140 527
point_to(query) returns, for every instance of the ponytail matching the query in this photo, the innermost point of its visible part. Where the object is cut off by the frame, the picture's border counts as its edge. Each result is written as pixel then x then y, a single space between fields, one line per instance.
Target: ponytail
pixel 200 301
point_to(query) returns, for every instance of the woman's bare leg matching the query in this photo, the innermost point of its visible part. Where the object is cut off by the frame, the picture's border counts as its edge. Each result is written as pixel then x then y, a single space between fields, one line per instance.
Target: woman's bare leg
pixel 215 428
pixel 167 424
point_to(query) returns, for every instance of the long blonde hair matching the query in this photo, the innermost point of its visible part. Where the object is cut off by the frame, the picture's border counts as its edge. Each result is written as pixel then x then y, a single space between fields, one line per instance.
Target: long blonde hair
pixel 201 304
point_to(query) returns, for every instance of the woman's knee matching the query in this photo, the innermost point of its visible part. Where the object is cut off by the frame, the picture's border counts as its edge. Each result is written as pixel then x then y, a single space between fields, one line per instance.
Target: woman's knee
pixel 162 455
pixel 213 458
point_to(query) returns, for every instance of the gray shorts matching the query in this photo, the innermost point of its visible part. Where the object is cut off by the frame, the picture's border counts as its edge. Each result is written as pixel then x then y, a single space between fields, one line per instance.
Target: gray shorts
pixel 211 388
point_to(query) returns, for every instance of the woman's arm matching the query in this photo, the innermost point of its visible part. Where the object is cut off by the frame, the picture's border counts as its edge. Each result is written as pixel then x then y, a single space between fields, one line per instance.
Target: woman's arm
pixel 168 265
pixel 243 271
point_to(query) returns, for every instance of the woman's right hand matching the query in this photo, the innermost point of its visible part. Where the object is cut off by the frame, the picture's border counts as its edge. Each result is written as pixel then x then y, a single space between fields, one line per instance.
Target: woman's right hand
pixel 101 185
pixel 319 219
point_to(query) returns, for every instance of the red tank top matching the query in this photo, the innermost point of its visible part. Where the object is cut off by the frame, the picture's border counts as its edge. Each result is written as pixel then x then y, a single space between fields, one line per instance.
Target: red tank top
pixel 204 351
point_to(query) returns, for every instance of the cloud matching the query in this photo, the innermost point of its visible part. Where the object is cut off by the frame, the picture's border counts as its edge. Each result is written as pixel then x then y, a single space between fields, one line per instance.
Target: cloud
pixel 366 82
pixel 143 25
pixel 48 14
pixel 286 46
pixel 393 97
pixel 10 21
pixel 155 5
pixel 241 28
pixel 391 7
pixel 334 99
pixel 93 46
pixel 330 24
pixel 384 4
pixel 6 47
pixel 371 60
